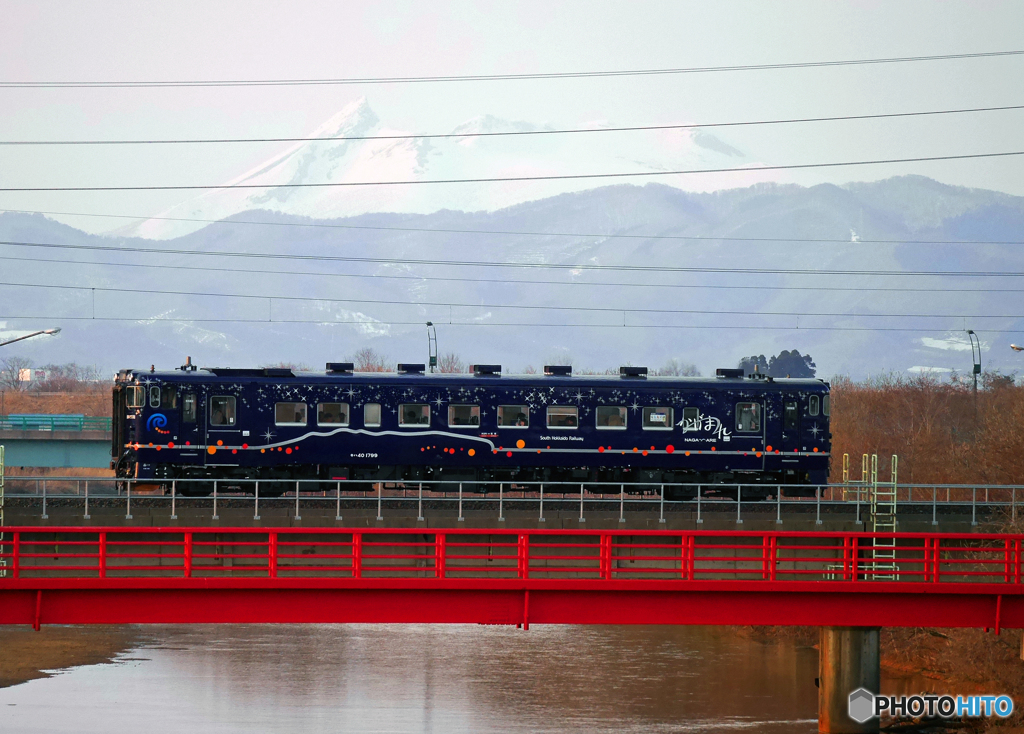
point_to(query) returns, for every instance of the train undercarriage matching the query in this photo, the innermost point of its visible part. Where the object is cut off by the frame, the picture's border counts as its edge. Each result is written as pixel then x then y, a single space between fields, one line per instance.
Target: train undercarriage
pixel 278 480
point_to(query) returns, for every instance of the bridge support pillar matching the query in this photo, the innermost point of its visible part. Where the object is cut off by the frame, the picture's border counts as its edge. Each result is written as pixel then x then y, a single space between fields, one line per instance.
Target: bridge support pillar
pixel 848 659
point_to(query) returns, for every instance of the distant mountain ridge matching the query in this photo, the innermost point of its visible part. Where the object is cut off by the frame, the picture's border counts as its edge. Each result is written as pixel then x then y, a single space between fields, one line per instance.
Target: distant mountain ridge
pixel 823 227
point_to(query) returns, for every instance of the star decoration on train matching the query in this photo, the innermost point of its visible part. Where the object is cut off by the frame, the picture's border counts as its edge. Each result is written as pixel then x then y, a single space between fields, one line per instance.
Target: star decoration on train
pixel 578 396
pixel 815 430
pixel 634 406
pixel 351 393
pixel 268 435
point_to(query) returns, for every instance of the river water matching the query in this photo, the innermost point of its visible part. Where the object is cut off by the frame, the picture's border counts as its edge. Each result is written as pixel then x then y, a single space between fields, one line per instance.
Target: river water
pixel 427 678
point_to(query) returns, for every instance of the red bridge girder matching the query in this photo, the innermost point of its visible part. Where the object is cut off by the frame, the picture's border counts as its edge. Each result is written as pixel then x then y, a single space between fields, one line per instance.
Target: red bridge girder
pixel 508 576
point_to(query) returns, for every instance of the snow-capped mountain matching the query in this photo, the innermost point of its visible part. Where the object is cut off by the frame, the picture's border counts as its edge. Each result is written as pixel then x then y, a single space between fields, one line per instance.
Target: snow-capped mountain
pixel 472 154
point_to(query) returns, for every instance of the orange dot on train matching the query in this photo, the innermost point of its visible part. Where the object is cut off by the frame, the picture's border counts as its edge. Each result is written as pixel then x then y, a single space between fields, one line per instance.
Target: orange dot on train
pixel 220 443
pixel 471 452
pixel 520 444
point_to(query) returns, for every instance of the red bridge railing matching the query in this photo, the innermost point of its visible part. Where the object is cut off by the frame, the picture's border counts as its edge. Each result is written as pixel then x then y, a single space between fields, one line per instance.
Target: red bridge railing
pixel 154 555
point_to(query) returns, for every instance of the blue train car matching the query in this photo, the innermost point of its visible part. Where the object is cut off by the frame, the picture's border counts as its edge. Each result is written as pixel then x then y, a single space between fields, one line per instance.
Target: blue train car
pixel 277 426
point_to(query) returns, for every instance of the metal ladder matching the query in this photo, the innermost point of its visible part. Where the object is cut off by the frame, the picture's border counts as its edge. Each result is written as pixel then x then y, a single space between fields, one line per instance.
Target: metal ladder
pixel 856 491
pixel 883 520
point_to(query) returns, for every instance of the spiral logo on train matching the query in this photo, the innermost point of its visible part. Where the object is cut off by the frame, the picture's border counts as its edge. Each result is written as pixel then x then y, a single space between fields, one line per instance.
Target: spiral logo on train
pixel 156 422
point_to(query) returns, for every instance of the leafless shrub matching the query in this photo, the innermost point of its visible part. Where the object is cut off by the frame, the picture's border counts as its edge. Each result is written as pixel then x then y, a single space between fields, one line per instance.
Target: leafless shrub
pixel 942 432
pixel 69 378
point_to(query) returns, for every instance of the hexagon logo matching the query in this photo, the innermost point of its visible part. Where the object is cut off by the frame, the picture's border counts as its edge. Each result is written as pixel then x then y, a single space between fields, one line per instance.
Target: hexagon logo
pixel 862 705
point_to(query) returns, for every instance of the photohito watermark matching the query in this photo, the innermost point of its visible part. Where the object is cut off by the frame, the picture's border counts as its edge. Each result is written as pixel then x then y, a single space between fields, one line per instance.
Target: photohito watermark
pixel 866 705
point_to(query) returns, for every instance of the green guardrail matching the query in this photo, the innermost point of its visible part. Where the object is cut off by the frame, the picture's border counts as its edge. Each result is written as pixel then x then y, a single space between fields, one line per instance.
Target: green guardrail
pixel 53 423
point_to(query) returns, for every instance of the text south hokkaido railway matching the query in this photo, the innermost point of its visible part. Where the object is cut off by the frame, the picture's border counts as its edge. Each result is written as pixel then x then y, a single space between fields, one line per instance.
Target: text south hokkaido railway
pixel 277 426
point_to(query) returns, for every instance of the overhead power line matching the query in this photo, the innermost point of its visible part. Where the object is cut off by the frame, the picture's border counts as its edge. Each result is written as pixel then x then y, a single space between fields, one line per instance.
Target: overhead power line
pixel 513 281
pixel 506 179
pixel 520 233
pixel 511 133
pixel 419 322
pixel 507 264
pixel 126 84
pixel 529 307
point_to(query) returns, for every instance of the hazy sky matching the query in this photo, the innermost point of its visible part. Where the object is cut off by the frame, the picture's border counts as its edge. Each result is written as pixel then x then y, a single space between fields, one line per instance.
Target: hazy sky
pixel 60 41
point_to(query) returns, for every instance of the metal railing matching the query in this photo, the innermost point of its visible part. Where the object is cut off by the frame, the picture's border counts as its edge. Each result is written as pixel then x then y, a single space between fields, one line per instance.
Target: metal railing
pixel 53 423
pixel 155 554
pixel 495 498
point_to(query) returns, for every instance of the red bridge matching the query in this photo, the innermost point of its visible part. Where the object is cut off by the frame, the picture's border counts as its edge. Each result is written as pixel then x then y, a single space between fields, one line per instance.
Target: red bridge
pixel 79 575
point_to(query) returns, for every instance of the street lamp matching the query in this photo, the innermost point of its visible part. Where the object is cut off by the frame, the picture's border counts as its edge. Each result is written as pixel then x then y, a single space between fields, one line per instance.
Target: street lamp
pixel 29 336
pixel 976 353
pixel 431 346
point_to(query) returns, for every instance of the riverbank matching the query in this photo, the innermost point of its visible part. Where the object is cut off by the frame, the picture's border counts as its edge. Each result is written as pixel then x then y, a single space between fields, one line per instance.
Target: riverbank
pixel 27 655
pixel 959 661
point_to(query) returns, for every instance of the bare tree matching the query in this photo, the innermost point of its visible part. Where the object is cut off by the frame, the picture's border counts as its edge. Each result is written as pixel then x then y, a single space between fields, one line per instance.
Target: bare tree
pixel 370 360
pixel 529 370
pixel 70 377
pixel 450 363
pixel 10 372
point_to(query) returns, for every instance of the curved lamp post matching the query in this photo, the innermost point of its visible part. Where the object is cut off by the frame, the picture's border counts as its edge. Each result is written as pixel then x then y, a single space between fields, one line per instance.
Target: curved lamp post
pixel 29 336
pixel 976 354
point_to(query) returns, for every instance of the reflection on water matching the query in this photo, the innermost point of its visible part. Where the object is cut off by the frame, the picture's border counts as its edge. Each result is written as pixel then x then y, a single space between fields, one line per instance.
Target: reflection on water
pixel 429 678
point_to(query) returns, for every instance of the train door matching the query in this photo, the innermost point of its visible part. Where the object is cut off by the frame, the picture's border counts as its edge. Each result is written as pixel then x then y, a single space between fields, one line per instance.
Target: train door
pixel 190 431
pixel 222 430
pixel 790 436
pixel 750 429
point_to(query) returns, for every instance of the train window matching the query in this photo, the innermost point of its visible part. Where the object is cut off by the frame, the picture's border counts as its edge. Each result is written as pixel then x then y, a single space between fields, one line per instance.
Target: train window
pixel 691 419
pixel 188 408
pixel 611 417
pixel 748 417
pixel 563 416
pixel 791 416
pixel 463 415
pixel 812 405
pixel 826 405
pixel 371 415
pixel 513 416
pixel 154 396
pixel 169 398
pixel 332 414
pixel 136 397
pixel 658 419
pixel 290 414
pixel 414 414
pixel 222 410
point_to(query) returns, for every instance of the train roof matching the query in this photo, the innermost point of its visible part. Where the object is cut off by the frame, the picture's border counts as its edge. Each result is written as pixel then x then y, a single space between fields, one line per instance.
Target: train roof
pixel 220 375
